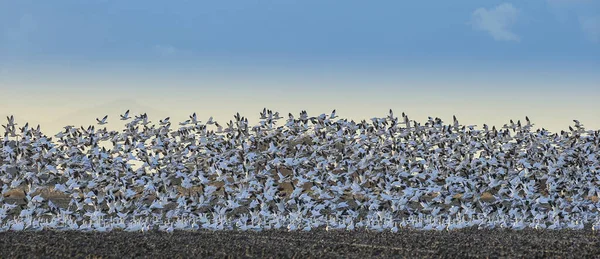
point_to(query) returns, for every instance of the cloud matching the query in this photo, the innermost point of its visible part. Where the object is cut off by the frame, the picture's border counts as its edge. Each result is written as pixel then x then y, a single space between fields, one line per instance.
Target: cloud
pixel 589 24
pixel 496 21
pixel 567 2
pixel 591 27
pixel 562 9
pixel 165 50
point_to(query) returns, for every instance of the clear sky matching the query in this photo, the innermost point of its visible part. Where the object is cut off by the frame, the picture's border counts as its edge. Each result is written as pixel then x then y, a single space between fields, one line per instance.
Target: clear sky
pixel 68 62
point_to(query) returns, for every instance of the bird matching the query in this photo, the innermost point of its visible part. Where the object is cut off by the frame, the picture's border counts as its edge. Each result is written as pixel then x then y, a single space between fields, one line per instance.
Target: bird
pixel 194 118
pixel 103 121
pixel 165 121
pixel 210 121
pixel 11 121
pixel 333 115
pixel 308 173
pixel 125 116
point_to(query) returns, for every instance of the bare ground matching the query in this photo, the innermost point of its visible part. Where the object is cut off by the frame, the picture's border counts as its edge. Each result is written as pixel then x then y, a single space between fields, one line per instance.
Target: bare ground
pixel 319 243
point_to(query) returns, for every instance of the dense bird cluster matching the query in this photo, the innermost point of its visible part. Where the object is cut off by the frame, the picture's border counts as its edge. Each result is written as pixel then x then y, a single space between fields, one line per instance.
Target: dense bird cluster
pixel 384 174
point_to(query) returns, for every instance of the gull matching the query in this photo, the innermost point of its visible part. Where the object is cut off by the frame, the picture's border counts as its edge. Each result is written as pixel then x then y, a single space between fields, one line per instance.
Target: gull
pixel 103 121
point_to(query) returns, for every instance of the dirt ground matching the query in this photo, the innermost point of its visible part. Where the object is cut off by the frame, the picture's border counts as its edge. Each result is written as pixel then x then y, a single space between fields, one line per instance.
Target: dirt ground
pixel 282 244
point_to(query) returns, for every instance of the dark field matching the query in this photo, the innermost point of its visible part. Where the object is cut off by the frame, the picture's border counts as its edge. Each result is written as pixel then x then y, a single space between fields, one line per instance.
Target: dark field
pixel 315 244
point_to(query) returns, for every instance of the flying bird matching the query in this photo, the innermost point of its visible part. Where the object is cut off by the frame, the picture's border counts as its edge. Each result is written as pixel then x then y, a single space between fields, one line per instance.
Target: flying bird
pixel 125 116
pixel 103 121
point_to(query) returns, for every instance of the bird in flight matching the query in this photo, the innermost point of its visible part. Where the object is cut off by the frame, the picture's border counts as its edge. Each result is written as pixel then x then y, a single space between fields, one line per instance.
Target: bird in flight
pixel 125 116
pixel 103 121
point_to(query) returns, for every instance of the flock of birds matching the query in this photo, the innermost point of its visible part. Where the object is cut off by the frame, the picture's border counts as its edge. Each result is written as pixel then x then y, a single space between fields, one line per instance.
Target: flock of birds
pixel 309 172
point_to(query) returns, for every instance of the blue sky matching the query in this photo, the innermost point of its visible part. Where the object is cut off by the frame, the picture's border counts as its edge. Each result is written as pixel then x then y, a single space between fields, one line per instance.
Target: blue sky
pixel 302 31
pixel 460 48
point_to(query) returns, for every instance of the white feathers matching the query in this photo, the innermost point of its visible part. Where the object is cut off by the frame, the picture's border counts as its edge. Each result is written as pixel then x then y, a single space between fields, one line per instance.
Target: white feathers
pixel 103 121
pixel 312 172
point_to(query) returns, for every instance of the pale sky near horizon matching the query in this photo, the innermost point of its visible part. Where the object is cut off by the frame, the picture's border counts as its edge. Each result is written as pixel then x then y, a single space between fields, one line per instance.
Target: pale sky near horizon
pixel 68 62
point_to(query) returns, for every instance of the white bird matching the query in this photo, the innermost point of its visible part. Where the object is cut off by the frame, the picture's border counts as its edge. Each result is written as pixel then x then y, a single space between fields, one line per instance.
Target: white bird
pixel 194 118
pixel 103 121
pixel 309 173
pixel 125 116
pixel 210 121
pixel 333 116
pixel 165 121
pixel 11 121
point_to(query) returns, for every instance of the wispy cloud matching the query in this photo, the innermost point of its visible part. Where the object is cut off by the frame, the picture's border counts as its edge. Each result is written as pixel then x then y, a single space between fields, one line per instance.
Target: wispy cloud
pixel 496 21
pixel 562 9
pixel 588 22
pixel 165 50
pixel 567 2
pixel 591 27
